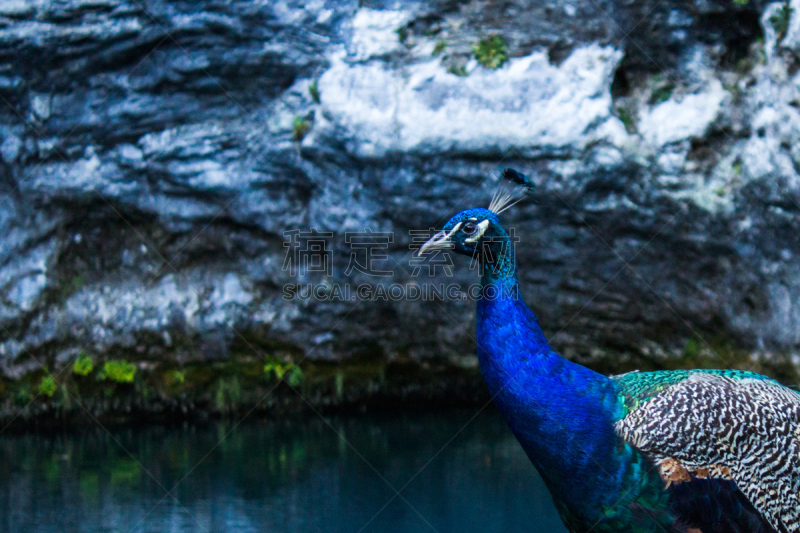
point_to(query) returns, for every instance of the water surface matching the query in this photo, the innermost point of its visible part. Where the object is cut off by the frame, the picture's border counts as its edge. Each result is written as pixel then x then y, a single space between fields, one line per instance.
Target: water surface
pixel 277 476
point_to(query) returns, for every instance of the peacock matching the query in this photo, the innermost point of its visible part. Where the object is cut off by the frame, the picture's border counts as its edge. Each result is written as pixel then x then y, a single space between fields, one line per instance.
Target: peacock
pixel 710 451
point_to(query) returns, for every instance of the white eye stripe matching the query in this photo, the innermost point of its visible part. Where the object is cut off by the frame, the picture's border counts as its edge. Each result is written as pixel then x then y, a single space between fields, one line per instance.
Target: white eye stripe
pixel 482 227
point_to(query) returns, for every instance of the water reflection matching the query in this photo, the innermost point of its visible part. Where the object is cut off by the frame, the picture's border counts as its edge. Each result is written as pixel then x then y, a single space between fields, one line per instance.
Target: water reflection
pixel 276 476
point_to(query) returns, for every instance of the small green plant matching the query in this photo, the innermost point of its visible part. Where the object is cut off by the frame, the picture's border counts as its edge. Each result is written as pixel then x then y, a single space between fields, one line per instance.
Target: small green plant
pixel 177 376
pixel 692 349
pixel 313 90
pixel 780 21
pixel 48 386
pixel 741 3
pixel 118 371
pixel 402 34
pixel 439 48
pixel 458 70
pixel 83 365
pixel 737 167
pixel 22 396
pixel 276 367
pixel 296 376
pixel 491 51
pixel 300 128
pixel 661 93
pixel 625 115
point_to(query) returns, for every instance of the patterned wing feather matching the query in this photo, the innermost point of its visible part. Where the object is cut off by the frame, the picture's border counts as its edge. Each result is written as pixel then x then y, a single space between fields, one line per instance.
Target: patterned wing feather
pixel 726 425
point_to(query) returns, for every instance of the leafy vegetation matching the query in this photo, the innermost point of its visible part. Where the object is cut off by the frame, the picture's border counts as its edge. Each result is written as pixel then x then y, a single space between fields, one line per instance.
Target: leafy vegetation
pixel 177 376
pixel 48 386
pixel 83 365
pixel 692 349
pixel 439 48
pixel 661 93
pixel 402 34
pixel 780 21
pixel 491 51
pixel 277 368
pixel 300 128
pixel 118 371
pixel 22 394
pixel 627 118
pixel 458 70
pixel 741 3
pixel 313 90
pixel 296 377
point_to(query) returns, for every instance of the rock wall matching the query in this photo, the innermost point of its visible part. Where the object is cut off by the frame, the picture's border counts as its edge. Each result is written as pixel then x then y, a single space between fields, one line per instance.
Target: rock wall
pixel 153 153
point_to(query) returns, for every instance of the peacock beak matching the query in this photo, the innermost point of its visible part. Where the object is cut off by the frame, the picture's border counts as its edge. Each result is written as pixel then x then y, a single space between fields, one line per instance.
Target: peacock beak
pixel 439 241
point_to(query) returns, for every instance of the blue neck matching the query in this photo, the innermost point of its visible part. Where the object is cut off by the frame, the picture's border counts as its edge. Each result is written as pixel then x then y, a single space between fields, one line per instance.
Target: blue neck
pixel 562 413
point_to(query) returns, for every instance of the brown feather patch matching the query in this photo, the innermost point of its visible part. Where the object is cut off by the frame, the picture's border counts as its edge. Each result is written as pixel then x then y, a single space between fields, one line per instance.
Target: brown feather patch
pixel 673 472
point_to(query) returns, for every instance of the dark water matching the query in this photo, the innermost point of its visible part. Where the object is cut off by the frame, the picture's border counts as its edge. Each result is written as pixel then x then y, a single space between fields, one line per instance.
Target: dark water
pixel 289 476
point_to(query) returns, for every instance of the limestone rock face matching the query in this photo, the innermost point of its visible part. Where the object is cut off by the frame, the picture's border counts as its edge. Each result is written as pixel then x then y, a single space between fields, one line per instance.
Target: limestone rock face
pixel 154 155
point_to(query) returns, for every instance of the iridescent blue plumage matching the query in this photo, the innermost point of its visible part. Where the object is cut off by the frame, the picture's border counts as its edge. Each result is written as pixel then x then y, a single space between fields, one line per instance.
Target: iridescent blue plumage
pixel 583 430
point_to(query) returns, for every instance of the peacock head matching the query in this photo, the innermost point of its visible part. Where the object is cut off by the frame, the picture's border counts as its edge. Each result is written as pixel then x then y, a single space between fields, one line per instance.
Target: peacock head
pixel 478 230
pixel 465 232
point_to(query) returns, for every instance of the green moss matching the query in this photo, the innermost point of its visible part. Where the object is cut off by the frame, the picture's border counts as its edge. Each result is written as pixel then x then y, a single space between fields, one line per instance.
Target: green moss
pixel 439 48
pixel 402 34
pixel 72 286
pixel 118 371
pixel 627 118
pixel 276 367
pixel 741 3
pixel 692 349
pixel 83 365
pixel 780 21
pixel 296 377
pixel 313 90
pixel 491 51
pixel 661 93
pixel 300 128
pixel 119 387
pixel 22 394
pixel 458 70
pixel 48 386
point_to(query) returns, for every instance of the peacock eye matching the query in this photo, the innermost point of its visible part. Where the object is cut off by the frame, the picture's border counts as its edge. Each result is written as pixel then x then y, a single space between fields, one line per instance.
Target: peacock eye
pixel 469 228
